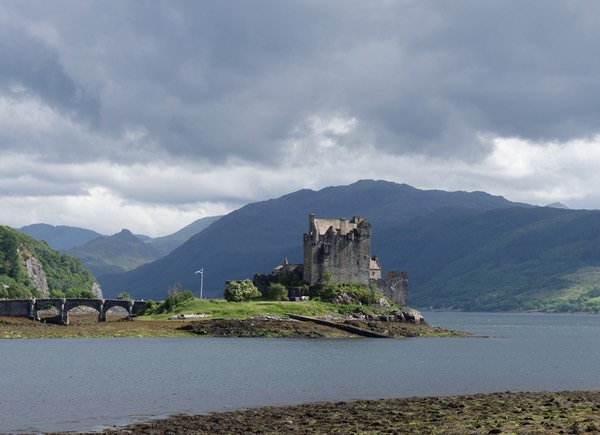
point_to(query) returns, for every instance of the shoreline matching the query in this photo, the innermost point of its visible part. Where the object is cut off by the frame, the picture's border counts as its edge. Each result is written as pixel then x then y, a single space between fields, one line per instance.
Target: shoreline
pixel 486 413
pixel 87 326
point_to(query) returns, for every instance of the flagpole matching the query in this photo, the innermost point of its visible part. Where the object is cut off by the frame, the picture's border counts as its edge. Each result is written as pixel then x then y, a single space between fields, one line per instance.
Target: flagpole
pixel 201 272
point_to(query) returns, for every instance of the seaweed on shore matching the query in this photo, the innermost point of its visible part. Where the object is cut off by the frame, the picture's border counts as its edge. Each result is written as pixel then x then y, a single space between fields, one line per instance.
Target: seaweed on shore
pixel 510 413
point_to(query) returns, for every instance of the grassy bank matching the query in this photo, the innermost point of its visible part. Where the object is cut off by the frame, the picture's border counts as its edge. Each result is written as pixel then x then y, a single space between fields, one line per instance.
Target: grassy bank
pixel 244 310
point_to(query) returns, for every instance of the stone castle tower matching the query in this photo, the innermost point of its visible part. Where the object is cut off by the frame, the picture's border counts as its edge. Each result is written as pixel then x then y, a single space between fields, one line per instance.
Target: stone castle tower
pixel 340 246
pixel 343 248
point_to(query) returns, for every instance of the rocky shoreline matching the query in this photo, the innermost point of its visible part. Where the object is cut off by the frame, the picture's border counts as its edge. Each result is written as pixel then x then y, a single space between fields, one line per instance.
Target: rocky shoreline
pixel 87 326
pixel 571 412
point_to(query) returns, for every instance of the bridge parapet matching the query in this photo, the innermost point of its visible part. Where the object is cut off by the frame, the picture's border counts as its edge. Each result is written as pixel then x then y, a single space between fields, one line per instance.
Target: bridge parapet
pixel 17 307
pixel 30 307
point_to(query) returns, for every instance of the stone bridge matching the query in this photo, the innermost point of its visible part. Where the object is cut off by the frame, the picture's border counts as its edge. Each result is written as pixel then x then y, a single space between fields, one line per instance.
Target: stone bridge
pixel 30 307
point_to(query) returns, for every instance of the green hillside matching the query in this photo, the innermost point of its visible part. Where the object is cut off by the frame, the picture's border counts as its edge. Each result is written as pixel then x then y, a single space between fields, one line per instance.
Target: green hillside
pixel 59 272
pixel 113 254
pixel 517 258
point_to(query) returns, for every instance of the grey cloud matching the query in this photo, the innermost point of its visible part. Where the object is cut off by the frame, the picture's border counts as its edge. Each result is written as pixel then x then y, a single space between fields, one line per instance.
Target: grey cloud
pixel 211 80
pixel 29 66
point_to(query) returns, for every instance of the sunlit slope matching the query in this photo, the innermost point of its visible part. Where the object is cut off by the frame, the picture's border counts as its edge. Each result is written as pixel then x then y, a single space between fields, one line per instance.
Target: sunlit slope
pixel 515 258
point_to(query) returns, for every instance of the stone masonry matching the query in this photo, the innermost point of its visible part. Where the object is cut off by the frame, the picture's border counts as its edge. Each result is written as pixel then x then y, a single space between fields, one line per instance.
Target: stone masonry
pixel 338 246
pixel 343 249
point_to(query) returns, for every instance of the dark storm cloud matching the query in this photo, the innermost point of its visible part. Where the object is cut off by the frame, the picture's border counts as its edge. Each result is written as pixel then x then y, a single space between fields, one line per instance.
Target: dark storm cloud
pixel 29 66
pixel 220 79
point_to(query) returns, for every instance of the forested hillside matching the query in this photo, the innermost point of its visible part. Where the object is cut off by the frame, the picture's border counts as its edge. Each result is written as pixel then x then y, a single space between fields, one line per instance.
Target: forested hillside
pixel 117 253
pixel 29 268
pixel 517 258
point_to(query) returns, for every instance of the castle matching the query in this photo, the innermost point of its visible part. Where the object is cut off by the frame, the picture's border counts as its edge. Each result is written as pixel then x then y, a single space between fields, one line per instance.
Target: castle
pixel 340 250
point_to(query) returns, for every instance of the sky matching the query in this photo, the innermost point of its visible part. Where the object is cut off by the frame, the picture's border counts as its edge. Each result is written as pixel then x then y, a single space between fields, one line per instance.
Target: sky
pixel 148 115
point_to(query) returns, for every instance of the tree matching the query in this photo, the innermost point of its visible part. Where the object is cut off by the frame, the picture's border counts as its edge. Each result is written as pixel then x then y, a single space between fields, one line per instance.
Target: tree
pixel 57 294
pixel 173 300
pixel 79 293
pixel 239 291
pixel 124 296
pixel 277 292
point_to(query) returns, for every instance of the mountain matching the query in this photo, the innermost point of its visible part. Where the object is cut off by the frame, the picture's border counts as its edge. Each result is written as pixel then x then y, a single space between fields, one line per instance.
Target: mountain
pixel 260 235
pixel 164 245
pixel 514 258
pixel 60 238
pixel 113 254
pixel 30 268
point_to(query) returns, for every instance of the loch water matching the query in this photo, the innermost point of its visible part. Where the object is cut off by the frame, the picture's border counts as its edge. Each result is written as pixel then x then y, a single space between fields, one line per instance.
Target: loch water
pixel 89 384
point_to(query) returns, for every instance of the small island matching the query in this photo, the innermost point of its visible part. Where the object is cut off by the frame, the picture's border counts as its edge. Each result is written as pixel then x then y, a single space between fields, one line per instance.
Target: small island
pixel 338 291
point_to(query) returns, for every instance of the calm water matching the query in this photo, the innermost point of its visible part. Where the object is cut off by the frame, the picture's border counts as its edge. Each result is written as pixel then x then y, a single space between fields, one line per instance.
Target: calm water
pixel 80 384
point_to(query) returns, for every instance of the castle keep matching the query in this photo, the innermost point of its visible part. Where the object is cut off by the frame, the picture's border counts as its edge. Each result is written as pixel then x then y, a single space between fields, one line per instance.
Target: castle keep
pixel 339 246
pixel 339 250
pixel 343 248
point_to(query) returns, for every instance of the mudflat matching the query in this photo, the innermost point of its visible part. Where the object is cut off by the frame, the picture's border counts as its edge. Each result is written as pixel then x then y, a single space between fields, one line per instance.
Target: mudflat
pixel 574 412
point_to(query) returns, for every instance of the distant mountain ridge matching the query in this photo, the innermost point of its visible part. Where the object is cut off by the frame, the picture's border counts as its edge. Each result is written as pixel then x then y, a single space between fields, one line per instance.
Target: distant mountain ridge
pixel 260 235
pixel 113 254
pixel 164 245
pixel 61 237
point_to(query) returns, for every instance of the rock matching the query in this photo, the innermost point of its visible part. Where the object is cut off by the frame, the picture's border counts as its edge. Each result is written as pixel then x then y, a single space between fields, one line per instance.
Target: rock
pixel 189 316
pixel 343 298
pixel 36 274
pixel 383 304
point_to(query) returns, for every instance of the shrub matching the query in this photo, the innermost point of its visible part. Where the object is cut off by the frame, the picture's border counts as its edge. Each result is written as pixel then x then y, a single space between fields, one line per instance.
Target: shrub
pixel 354 293
pixel 173 300
pixel 239 291
pixel 277 292
pixel 150 307
pixel 79 293
pixel 57 294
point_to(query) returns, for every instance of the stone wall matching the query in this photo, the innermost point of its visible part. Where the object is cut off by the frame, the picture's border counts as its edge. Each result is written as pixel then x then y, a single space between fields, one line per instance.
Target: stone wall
pixel 394 287
pixel 344 250
pixel 16 307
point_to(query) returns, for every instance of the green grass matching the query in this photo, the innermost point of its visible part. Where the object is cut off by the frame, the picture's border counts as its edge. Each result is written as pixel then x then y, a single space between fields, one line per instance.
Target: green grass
pixel 241 310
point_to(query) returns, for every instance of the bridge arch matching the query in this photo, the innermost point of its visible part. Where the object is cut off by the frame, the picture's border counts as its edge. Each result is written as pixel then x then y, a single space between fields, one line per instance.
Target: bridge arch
pixel 30 307
pixel 96 304
pixel 42 304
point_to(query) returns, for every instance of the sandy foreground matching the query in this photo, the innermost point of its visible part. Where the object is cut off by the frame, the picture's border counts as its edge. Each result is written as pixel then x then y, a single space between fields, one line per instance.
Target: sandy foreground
pixel 500 413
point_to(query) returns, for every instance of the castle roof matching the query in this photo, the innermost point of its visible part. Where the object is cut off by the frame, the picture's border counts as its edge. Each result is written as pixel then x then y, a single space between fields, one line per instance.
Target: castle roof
pixel 375 264
pixel 344 226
